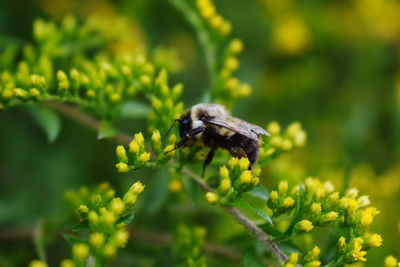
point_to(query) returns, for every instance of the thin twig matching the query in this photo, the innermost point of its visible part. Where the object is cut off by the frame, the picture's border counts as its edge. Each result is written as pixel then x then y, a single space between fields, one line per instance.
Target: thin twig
pixel 74 113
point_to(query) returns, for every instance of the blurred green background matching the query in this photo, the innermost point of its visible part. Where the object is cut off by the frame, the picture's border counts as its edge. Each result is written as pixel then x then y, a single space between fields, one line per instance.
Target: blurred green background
pixel 332 65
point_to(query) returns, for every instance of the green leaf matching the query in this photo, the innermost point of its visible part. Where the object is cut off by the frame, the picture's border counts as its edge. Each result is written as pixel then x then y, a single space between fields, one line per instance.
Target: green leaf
pixel 47 119
pixel 81 226
pixel 126 218
pixel 259 192
pixel 298 214
pixel 239 202
pixel 72 239
pixel 156 193
pixel 191 189
pixel 288 246
pixel 38 240
pixel 106 130
pixel 269 229
pixel 134 110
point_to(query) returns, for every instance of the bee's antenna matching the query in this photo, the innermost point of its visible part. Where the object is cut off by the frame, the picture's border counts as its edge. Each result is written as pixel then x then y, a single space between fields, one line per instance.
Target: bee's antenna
pixel 170 127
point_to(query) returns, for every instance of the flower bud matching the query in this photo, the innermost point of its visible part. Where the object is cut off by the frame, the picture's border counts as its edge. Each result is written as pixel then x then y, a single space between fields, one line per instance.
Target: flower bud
pixel 233 162
pixel 117 206
pixel 304 226
pixel 288 202
pixel 225 185
pixel 67 263
pixel 236 46
pixel 80 251
pixel 121 238
pixel 175 186
pixel 93 218
pixel 274 128
pixel 137 188
pixel 122 167
pixel 211 197
pixel 134 147
pixel 96 239
pixel 244 164
pixel 83 209
pixel 283 187
pixel 245 177
pixel 121 154
pixel 224 172
pixel 144 157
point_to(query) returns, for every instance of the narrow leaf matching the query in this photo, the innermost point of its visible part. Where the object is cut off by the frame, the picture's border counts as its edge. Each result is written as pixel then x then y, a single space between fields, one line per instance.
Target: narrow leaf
pixel 259 192
pixel 47 119
pixel 38 240
pixel 71 239
pixel 81 226
pixel 134 110
pixel 127 218
pixel 239 202
pixel 191 189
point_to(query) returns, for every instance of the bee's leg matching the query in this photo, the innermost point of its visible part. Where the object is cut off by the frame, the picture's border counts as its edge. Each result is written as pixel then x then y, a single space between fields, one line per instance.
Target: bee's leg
pixel 209 158
pixel 186 138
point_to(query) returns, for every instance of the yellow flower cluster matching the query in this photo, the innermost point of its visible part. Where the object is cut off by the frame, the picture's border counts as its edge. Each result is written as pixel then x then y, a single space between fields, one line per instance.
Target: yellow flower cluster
pixel 105 216
pixel 310 259
pixel 138 156
pixel 214 20
pixel 228 88
pixel 188 246
pixel 294 136
pixel 317 204
pixel 234 179
pixel 165 107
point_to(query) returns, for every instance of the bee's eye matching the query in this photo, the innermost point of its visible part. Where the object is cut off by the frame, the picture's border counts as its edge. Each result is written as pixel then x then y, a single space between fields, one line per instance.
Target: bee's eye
pixel 185 121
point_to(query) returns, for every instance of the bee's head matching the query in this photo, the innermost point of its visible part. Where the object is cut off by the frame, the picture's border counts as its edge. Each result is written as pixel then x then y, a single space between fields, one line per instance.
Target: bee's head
pixel 185 124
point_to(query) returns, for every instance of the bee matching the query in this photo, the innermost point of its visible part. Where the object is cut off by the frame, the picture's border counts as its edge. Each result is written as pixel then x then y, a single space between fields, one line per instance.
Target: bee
pixel 214 127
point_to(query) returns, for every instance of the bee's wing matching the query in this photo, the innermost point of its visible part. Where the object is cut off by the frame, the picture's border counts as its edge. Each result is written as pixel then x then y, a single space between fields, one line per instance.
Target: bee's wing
pixel 239 126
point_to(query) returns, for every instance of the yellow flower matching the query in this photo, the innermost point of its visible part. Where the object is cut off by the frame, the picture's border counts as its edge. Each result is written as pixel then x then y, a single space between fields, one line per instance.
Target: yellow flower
pixel 109 250
pixel 224 172
pixel 232 63
pixel 216 21
pixel 316 209
pixel 291 36
pixel 300 138
pixel 341 245
pixel 226 27
pixel 373 241
pixel 90 94
pixel 139 139
pixel 156 137
pixel 225 185
pixel 37 263
pixel 170 149
pixel 233 162
pixel 367 216
pixel 330 216
pixel 273 196
pixel 274 128
pixel 117 206
pixel 288 202
pixel 115 97
pixel 390 261
pixel 211 197
pixel 121 154
pixel 137 188
pixel 34 93
pixel 236 46
pixel 96 239
pixel 122 167
pixel 145 80
pixel 83 209
pixel 134 147
pixel 313 264
pixel 244 164
pixel 305 226
pixel 144 157
pixel 283 187
pixel 130 198
pixel 80 251
pixel 108 218
pixel 286 144
pixel 121 238
pixel 175 186
pixel 93 217
pixel 67 263
pixel 245 177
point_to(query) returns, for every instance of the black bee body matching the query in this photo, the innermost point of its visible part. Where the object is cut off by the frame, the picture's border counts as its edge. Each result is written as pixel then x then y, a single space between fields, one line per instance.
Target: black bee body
pixel 211 125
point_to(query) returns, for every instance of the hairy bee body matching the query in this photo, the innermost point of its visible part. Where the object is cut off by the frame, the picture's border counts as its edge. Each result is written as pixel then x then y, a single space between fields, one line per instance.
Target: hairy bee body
pixel 214 127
